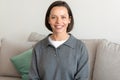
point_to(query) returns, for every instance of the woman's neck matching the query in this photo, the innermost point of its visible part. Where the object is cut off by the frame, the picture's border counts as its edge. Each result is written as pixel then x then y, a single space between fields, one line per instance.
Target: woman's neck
pixel 59 37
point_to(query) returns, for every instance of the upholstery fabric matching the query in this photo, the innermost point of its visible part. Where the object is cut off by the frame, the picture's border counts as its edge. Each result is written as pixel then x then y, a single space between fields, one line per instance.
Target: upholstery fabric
pixel 9 78
pixel 9 49
pixel 107 64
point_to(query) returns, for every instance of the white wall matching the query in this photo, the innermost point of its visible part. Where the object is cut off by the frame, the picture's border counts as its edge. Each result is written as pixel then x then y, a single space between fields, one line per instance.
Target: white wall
pixel 93 18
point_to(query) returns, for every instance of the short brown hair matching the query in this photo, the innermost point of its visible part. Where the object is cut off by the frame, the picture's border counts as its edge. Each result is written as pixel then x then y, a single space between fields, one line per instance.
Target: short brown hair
pixel 59 3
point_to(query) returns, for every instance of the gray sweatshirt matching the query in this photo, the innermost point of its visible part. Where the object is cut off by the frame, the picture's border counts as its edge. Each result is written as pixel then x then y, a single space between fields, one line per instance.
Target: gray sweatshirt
pixel 67 62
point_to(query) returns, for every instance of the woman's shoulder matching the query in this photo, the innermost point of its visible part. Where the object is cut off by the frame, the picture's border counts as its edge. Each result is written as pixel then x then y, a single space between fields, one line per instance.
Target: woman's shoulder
pixel 80 43
pixel 42 42
pixel 77 39
pixel 76 42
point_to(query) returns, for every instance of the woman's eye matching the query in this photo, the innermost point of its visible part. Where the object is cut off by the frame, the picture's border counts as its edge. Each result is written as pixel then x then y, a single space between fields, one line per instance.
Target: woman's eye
pixel 52 17
pixel 63 17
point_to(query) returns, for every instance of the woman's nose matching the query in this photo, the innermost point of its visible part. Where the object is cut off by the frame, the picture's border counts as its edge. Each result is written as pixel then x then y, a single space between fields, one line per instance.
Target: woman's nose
pixel 59 20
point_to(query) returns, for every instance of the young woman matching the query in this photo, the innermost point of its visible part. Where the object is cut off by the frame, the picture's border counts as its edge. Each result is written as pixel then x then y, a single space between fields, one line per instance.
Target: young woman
pixel 59 56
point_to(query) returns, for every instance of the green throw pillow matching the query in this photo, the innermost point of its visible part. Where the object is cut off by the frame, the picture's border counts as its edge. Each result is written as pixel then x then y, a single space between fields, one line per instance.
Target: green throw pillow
pixel 22 63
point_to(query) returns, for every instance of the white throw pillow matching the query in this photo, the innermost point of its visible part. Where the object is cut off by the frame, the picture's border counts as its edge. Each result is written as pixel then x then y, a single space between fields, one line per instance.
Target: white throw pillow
pixel 107 64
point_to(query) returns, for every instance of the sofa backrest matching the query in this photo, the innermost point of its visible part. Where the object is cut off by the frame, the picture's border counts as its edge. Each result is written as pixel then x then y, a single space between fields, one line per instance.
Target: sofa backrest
pixel 107 63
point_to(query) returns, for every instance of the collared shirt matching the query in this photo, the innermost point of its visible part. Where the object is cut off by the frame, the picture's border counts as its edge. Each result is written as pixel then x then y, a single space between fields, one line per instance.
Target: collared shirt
pixel 67 62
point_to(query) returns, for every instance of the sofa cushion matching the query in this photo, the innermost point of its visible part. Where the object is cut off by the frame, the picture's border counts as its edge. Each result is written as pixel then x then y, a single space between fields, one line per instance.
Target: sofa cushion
pixel 9 78
pixel 107 64
pixel 22 63
pixel 8 49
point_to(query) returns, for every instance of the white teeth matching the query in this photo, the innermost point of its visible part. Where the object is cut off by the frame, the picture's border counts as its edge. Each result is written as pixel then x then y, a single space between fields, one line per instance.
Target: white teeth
pixel 58 26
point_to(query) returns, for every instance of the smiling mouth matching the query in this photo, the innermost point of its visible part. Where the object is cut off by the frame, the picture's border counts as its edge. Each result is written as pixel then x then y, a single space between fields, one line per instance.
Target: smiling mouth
pixel 59 26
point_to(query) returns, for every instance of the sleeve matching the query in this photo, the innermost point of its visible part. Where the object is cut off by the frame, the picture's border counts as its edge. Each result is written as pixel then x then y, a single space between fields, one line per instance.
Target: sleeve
pixel 82 65
pixel 33 73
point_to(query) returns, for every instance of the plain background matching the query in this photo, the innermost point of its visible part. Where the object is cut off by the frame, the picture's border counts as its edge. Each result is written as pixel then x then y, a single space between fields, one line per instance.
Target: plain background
pixel 94 19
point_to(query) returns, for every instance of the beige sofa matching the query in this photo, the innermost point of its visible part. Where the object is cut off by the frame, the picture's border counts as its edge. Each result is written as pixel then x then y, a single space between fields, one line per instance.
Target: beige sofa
pixel 104 57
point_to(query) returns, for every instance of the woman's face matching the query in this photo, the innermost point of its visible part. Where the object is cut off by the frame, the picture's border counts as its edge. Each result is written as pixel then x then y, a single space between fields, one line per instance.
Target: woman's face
pixel 59 19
